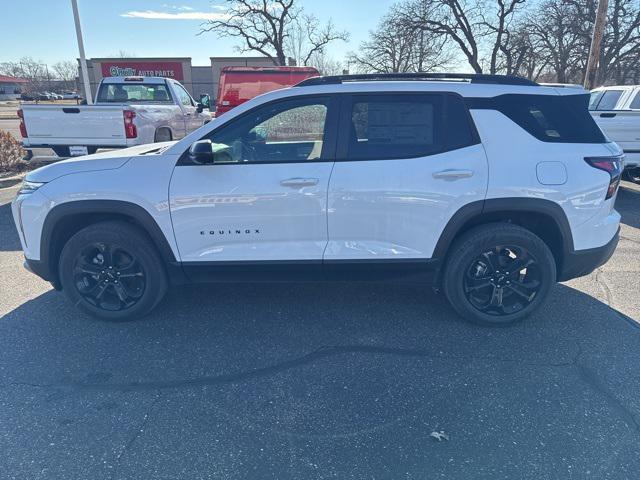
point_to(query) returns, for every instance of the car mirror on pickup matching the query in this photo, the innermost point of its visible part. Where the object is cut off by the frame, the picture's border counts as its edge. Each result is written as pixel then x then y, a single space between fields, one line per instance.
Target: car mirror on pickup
pixel 204 103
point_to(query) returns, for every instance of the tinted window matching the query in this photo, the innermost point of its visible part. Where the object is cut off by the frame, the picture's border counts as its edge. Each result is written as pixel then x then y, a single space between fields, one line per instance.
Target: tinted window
pixel 136 92
pixel 635 104
pixel 288 131
pixel 609 99
pixel 550 118
pixel 388 127
pixel 405 126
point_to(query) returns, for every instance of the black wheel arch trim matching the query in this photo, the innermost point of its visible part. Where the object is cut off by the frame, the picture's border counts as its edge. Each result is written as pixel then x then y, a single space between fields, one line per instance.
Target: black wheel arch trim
pixel 507 205
pixel 48 270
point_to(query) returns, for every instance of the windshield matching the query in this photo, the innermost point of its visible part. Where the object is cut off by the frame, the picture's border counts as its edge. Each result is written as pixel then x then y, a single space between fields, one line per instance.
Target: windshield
pixel 133 93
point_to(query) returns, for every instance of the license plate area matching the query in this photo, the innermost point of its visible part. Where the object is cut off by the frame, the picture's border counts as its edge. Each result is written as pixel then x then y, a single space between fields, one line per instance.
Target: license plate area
pixel 77 151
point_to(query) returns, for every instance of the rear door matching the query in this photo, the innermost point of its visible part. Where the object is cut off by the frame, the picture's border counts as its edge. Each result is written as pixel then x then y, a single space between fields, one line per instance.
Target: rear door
pixel 406 162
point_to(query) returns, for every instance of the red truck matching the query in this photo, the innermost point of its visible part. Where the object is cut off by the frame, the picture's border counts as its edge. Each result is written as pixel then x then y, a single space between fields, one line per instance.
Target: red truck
pixel 239 84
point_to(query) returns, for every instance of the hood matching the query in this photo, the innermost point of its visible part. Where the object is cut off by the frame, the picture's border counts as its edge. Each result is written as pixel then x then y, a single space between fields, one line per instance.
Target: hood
pixel 98 161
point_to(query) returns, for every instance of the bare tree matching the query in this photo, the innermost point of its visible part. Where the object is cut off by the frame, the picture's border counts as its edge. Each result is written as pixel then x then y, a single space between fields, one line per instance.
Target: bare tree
pixel 67 71
pixel 34 71
pixel 307 38
pixel 499 27
pixel 621 41
pixel 397 46
pixel 266 27
pixel 556 31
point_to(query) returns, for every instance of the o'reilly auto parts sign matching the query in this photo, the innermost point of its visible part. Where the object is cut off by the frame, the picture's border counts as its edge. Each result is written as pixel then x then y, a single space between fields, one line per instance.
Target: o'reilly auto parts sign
pixel 143 69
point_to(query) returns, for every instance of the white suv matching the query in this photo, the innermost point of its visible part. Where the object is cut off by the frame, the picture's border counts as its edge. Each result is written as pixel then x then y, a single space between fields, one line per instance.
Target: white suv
pixel 489 187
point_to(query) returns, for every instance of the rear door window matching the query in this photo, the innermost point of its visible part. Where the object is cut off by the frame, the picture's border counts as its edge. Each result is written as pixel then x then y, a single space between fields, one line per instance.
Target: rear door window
pixel 609 100
pixel 389 126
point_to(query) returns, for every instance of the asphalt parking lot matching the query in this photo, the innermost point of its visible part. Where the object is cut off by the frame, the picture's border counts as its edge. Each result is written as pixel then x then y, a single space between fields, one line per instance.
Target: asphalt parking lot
pixel 319 381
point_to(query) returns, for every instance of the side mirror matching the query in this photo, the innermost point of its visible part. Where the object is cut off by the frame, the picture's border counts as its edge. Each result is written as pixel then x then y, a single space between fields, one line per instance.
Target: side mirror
pixel 205 102
pixel 201 152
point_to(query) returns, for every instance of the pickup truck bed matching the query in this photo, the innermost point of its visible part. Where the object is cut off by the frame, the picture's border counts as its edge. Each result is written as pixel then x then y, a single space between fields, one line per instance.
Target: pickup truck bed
pixel 129 111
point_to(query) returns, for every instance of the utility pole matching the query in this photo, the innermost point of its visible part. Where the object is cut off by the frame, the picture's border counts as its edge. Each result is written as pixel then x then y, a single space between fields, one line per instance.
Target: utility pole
pixel 83 60
pixel 596 43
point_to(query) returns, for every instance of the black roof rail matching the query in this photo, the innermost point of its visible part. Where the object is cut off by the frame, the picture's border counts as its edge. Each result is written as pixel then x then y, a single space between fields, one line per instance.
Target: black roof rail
pixel 471 77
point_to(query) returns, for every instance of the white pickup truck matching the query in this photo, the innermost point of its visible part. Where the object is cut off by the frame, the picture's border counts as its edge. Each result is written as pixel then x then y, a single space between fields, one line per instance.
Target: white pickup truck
pixel 616 110
pixel 128 111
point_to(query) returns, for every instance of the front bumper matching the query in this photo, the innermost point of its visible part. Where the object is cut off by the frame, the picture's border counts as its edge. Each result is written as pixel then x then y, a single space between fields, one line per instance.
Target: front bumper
pixel 43 271
pixel 582 262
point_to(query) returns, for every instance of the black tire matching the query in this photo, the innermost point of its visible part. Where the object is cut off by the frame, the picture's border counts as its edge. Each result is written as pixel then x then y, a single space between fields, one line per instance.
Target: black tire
pixel 162 135
pixel 62 152
pixel 632 174
pixel 498 274
pixel 130 289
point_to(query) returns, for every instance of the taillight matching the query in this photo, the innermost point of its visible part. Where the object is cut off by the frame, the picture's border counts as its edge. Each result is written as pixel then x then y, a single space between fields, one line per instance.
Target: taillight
pixel 611 165
pixel 130 129
pixel 23 127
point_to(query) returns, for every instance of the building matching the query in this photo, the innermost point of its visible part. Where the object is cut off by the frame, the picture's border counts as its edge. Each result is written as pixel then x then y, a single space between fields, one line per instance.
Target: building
pixel 11 87
pixel 197 79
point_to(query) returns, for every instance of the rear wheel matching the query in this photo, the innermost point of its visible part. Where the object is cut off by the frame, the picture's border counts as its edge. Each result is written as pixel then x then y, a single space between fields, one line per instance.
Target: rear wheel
pixel 162 135
pixel 498 274
pixel 112 271
pixel 632 174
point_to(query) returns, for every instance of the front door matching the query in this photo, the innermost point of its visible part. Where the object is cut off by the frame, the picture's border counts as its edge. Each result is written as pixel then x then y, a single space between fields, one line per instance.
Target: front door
pixel 265 198
pixel 191 117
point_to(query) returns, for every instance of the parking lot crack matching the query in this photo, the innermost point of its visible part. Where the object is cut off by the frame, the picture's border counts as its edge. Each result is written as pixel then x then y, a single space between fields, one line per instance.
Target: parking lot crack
pixel 136 434
pixel 592 380
pixel 602 283
pixel 314 356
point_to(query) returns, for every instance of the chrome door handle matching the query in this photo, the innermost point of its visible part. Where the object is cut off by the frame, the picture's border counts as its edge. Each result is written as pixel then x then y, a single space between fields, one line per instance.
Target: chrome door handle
pixel 299 182
pixel 451 174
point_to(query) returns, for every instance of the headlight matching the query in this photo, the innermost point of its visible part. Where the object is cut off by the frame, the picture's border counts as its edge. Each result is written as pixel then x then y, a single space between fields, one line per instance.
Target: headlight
pixel 29 187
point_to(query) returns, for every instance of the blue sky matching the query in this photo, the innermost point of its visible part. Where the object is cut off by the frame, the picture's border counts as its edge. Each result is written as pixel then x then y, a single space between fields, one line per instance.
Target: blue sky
pixel 43 29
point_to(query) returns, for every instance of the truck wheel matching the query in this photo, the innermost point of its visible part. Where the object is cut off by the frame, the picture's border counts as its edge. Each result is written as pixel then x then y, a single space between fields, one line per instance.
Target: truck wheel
pixel 162 135
pixel 112 271
pixel 498 274
pixel 62 151
pixel 632 174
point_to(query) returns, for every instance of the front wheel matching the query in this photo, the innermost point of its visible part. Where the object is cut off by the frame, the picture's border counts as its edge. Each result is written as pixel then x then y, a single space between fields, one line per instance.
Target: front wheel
pixel 112 271
pixel 498 274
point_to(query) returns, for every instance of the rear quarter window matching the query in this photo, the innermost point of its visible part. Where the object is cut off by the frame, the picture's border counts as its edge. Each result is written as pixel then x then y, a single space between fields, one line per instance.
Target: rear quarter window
pixel 550 118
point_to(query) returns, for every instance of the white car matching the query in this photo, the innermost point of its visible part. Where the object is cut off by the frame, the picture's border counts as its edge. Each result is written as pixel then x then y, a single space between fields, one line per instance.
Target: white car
pixel 490 187
pixel 128 111
pixel 70 96
pixel 616 110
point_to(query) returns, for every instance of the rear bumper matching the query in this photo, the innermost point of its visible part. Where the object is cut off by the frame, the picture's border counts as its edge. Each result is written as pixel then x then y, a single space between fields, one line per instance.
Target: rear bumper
pixel 582 262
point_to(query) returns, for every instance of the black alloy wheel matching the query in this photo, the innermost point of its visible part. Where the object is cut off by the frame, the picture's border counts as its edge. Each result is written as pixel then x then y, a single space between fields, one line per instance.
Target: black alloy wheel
pixel 503 280
pixel 113 271
pixel 498 273
pixel 109 277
